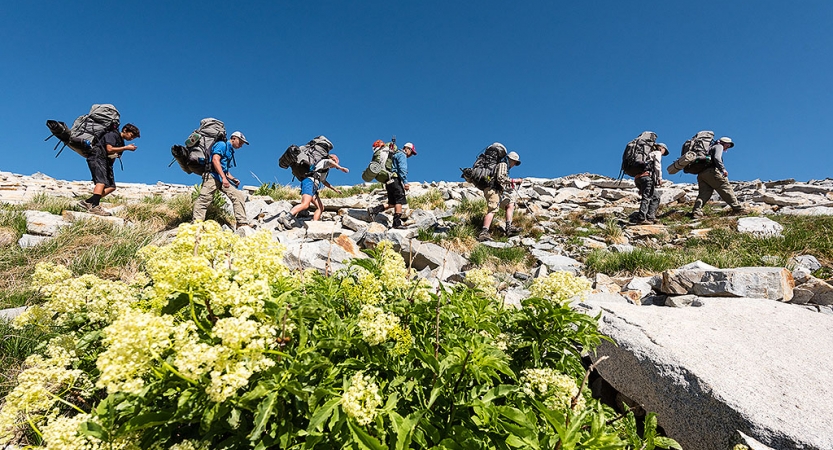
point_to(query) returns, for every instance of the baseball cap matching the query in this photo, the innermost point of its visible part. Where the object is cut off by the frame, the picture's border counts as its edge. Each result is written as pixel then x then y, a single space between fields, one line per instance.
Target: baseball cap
pixel 726 140
pixel 663 147
pixel 514 157
pixel 240 136
pixel 411 146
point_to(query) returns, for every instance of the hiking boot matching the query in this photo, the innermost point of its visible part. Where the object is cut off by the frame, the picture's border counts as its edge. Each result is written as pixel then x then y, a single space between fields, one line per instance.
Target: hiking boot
pixel 512 230
pixel 85 206
pixel 287 220
pixel 739 210
pixel 638 220
pixel 484 235
pixel 697 214
pixel 373 210
pixel 397 222
pixel 651 220
pixel 99 211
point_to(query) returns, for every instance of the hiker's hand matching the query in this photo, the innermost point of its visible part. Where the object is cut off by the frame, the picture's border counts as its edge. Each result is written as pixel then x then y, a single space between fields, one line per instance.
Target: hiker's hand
pixel 225 182
pixel 337 190
pixel 408 186
pixel 130 147
pixel 345 170
pixel 726 173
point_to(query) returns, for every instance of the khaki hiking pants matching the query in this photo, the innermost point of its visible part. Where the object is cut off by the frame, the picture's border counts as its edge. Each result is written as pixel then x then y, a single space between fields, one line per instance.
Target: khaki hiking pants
pixel 211 185
pixel 711 180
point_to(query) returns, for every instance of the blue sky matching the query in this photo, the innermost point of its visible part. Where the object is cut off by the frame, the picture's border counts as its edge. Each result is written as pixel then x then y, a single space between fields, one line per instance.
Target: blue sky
pixel 565 84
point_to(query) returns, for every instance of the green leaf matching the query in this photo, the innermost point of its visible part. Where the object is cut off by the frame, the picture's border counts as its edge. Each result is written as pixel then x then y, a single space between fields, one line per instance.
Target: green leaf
pixel 95 430
pixel 175 304
pixel 321 414
pixel 264 411
pixel 666 442
pixel 149 420
pixel 365 440
pixel 498 392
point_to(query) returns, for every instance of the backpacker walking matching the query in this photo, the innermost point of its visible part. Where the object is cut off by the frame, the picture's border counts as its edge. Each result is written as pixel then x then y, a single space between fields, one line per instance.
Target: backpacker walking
pixel 397 184
pixel 498 193
pixel 310 187
pixel 647 182
pixel 100 160
pixel 218 178
pixel 713 176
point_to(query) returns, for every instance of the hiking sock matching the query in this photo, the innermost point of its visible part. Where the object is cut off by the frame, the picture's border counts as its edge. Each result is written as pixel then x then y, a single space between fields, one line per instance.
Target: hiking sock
pixel 94 200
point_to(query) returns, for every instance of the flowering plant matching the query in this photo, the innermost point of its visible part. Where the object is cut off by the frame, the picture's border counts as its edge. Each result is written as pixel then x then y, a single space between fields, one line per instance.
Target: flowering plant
pixel 225 347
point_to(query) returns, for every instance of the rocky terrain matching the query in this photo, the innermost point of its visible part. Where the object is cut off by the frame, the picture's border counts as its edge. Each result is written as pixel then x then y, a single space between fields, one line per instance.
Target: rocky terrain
pixel 722 355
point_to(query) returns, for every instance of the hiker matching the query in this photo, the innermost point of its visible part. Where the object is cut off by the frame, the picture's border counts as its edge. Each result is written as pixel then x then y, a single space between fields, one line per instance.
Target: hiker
pixel 397 184
pixel 499 194
pixel 714 177
pixel 647 182
pixel 219 179
pixel 309 189
pixel 102 156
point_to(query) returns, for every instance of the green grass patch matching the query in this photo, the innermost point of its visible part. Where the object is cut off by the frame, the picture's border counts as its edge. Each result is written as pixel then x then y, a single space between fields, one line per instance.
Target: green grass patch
pixel 51 204
pixel 160 213
pixel 279 192
pixel 15 347
pixel 433 199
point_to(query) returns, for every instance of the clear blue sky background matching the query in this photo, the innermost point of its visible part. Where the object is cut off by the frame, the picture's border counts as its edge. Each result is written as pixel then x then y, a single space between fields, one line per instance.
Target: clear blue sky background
pixel 565 84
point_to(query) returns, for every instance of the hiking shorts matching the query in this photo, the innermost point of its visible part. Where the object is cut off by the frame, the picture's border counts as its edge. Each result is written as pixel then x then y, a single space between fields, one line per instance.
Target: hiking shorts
pixel 309 187
pixel 396 192
pixel 101 168
pixel 495 200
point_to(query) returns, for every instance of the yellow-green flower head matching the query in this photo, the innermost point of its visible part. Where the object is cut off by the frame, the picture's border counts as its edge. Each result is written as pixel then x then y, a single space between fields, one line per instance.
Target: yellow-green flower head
pixel 376 325
pixel 560 287
pixel 99 300
pixel 361 286
pixel 361 399
pixel 35 391
pixel 483 281
pixel 134 344
pixel 556 390
pixel 394 274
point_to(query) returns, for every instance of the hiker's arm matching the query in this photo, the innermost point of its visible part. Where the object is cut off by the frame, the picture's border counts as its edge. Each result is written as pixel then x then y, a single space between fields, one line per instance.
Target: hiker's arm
pixel 718 159
pixel 327 184
pixel 215 161
pixel 111 149
pixel 402 167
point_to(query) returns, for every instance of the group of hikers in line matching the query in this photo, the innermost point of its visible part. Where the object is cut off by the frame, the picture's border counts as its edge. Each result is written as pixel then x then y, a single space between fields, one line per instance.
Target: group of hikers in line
pixel 208 153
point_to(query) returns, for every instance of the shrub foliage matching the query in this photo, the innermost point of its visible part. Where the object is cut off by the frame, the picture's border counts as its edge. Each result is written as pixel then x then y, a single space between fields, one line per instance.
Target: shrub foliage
pixel 220 345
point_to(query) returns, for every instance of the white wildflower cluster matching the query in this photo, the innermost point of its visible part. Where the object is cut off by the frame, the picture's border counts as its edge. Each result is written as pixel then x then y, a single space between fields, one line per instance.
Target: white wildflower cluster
pixel 361 399
pixel 230 364
pixel 483 282
pixel 556 390
pixel 99 301
pixel 134 344
pixel 36 391
pixel 376 325
pixel 62 433
pixel 560 287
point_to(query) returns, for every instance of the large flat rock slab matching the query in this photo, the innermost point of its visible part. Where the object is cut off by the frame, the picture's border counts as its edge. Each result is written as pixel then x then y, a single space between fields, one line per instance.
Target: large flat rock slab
pixel 774 283
pixel 733 365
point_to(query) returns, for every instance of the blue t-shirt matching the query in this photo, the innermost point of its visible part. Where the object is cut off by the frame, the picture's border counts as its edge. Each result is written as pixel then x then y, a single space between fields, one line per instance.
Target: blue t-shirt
pixel 226 152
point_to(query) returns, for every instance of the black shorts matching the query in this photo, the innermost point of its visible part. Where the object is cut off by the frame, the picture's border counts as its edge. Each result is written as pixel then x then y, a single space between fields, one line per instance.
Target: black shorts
pixel 101 168
pixel 396 192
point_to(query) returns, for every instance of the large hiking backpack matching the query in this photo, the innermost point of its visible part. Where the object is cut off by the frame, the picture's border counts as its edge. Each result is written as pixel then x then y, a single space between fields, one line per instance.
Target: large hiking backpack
pixel 482 172
pixel 636 158
pixel 195 155
pixel 697 149
pixel 301 160
pixel 381 164
pixel 86 130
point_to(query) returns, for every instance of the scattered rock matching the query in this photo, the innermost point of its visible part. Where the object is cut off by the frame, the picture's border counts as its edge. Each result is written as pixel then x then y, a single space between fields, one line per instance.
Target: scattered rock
pixel 760 227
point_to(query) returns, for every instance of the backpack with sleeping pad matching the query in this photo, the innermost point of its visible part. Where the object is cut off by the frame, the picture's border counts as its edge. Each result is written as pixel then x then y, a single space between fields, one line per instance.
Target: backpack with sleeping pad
pixel 302 160
pixel 86 130
pixel 380 167
pixel 636 159
pixel 696 152
pixel 195 155
pixel 482 172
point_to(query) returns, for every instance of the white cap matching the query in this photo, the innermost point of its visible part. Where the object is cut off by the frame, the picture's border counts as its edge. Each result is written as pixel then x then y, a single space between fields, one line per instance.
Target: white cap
pixel 726 141
pixel 514 157
pixel 240 136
